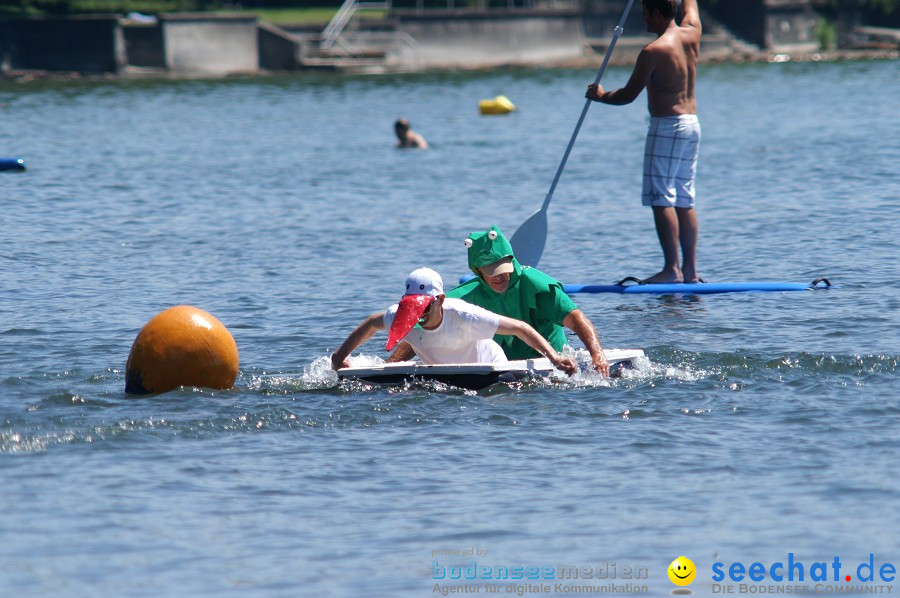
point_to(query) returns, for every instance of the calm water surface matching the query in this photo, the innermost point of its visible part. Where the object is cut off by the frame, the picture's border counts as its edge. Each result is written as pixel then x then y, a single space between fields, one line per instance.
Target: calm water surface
pixel 760 425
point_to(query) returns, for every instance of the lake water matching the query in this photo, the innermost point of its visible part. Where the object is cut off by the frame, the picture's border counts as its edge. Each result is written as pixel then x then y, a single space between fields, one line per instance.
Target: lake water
pixel 761 426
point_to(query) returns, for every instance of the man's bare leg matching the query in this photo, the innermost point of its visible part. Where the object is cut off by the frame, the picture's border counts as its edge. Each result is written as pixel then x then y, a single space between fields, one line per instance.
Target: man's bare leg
pixel 667 230
pixel 688 228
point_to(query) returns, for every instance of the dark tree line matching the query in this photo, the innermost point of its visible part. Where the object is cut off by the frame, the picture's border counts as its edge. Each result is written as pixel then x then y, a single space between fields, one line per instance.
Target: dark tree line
pixel 880 12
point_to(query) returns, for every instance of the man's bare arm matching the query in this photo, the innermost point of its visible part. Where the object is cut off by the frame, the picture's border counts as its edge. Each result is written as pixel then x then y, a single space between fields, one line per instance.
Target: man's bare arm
pixel 640 76
pixel 577 321
pixel 690 14
pixel 362 333
pixel 420 141
pixel 403 352
pixel 537 342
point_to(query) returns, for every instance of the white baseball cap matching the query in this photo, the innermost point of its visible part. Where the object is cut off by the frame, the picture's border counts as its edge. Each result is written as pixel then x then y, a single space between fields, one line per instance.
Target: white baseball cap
pixel 424 281
pixel 422 286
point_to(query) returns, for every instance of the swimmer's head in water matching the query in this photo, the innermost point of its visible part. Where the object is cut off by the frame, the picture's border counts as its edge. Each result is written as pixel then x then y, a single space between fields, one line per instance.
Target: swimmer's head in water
pixel 401 126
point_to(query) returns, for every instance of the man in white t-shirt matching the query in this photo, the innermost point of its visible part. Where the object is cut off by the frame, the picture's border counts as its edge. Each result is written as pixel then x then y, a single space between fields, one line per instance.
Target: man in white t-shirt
pixel 443 330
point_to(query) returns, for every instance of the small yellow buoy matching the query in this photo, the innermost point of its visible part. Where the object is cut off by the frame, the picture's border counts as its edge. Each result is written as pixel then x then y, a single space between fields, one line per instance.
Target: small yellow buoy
pixel 499 105
pixel 181 346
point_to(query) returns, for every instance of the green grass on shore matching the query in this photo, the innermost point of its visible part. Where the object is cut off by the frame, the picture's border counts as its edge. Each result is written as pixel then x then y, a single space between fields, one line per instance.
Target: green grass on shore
pixel 277 16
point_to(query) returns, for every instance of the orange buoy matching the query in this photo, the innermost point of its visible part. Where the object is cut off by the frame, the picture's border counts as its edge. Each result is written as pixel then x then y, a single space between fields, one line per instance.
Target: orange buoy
pixel 181 346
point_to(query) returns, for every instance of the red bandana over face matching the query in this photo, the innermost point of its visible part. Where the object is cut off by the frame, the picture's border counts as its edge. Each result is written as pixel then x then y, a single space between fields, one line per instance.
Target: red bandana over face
pixel 409 311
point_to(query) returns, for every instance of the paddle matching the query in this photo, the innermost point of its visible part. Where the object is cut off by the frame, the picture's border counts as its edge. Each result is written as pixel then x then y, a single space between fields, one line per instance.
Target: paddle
pixel 528 241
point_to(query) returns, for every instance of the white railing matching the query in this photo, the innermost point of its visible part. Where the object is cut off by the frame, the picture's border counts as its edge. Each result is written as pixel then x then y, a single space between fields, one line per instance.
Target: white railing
pixel 342 17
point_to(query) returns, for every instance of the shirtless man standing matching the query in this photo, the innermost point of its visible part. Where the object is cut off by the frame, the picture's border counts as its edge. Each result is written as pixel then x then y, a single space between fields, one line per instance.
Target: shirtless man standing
pixel 667 67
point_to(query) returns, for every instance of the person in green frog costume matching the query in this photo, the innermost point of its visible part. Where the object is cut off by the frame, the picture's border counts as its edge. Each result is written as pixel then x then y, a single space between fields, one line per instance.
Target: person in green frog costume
pixel 503 286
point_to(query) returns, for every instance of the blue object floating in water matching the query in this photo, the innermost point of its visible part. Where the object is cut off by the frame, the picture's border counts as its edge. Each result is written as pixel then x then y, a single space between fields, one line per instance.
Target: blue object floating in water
pixel 699 288
pixel 14 164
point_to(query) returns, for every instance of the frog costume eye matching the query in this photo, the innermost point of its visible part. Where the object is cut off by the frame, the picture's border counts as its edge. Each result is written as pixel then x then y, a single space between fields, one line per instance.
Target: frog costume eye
pixel 492 235
pixel 467 243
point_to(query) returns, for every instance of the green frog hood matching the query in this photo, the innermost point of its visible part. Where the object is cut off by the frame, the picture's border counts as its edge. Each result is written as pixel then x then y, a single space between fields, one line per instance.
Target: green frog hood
pixel 488 247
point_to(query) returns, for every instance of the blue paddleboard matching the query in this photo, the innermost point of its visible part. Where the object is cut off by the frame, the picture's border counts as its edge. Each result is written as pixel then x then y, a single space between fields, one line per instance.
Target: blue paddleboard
pixel 699 288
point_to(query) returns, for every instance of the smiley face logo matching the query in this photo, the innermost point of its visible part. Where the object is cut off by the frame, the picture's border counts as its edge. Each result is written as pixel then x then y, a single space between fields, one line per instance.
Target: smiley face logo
pixel 682 571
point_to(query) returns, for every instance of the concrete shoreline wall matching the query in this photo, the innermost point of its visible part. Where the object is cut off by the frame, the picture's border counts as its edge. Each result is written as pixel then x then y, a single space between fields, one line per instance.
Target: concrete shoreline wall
pixel 182 44
pixel 450 39
pixel 210 44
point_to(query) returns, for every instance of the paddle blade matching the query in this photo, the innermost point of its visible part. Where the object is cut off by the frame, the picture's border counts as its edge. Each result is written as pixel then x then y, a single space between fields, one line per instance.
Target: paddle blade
pixel 528 242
